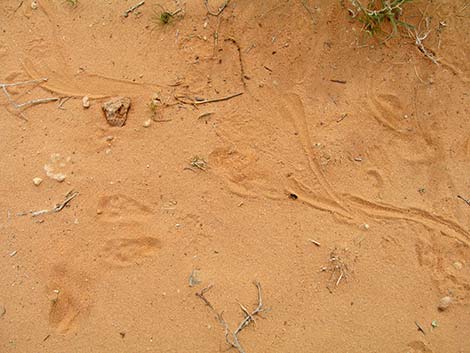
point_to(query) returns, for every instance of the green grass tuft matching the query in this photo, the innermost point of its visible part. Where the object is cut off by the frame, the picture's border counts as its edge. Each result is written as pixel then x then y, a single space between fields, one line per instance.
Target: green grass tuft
pixel 377 13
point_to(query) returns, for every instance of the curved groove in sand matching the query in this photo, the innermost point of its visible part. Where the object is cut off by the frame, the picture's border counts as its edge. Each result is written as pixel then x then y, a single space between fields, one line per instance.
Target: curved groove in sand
pixel 92 85
pixel 301 126
pixel 413 214
pixel 354 203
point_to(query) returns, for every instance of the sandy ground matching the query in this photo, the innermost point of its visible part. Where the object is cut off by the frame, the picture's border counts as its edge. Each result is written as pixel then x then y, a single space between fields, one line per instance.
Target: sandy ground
pixel 370 168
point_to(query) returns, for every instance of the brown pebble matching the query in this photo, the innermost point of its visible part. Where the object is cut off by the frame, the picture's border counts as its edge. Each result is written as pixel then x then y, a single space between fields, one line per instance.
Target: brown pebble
pixel 444 303
pixel 116 110
pixel 2 310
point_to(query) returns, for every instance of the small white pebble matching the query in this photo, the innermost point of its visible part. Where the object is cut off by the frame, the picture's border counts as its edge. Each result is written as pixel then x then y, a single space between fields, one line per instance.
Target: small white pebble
pixel 34 5
pixel 147 123
pixel 109 138
pixel 59 177
pixel 86 102
pixel 37 181
pixel 458 265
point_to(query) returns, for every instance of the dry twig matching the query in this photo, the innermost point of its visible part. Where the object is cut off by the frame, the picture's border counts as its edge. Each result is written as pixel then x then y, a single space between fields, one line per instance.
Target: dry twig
pixel 57 208
pixel 467 201
pixel 133 8
pixel 183 99
pixel 231 337
pixel 4 87
pixel 315 242
pixel 219 10
pixel 419 37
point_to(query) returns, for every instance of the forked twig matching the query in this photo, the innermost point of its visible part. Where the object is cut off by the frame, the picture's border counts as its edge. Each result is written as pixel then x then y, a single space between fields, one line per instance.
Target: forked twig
pixel 7 94
pixel 419 43
pixel 232 337
pixel 69 197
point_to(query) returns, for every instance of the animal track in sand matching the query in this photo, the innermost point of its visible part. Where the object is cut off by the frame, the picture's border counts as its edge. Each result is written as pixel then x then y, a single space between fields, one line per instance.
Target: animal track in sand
pixel 123 252
pixel 388 111
pixel 120 208
pixel 241 168
pixel 69 296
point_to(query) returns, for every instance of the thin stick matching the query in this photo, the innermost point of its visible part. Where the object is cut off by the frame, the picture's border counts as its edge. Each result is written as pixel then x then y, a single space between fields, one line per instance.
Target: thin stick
pixel 19 5
pixel 420 328
pixel 23 83
pixel 340 278
pixel 464 199
pixel 315 242
pixel 213 100
pixel 37 101
pixel 133 8
pixel 204 115
pixel 69 197
pixel 62 102
pixel 220 9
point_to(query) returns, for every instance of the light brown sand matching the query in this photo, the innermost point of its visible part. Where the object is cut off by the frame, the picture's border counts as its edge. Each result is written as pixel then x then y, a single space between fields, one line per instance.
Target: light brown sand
pixel 376 165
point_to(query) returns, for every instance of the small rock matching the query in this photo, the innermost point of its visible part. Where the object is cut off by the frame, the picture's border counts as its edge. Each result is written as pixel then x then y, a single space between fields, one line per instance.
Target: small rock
pixel 34 5
pixel 37 181
pixel 193 278
pixel 147 123
pixel 109 138
pixel 86 102
pixel 444 303
pixel 116 110
pixel 2 310
pixel 458 265
pixel 60 177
